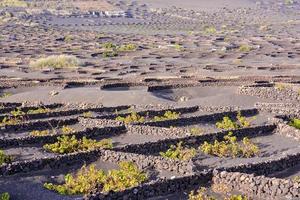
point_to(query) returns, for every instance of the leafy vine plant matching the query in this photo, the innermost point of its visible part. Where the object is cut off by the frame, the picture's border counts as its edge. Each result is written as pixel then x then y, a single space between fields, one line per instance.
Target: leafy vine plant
pixel 295 123
pixel 134 117
pixel 66 144
pixel 230 147
pixel 4 158
pixel 228 124
pixel 88 178
pixel 179 152
pixel 18 116
pixel 5 196
pixel 15 117
pixel 65 130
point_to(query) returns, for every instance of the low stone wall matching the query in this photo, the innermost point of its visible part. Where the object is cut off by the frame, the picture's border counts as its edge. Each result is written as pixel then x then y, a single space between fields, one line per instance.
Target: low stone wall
pixel 92 122
pixel 40 140
pixel 9 104
pixel 53 162
pixel 258 187
pixel 286 130
pixel 122 85
pixel 153 88
pixel 152 148
pixel 66 112
pixel 184 121
pixel 218 81
pixel 283 127
pixel 152 113
pixel 267 167
pixel 270 93
pixel 218 108
pixel 279 108
pixel 152 130
pixel 8 107
pixel 181 168
pixel 157 188
pixel 199 83
pixel 39 125
pixel 143 161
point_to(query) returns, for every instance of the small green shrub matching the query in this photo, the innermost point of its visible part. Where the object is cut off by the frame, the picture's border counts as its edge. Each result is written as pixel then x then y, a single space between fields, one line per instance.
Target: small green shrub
pixel 243 121
pixel 11 121
pixel 4 196
pixel 64 130
pixel 38 111
pixel 5 95
pixel 236 197
pixel 127 47
pixel 17 116
pixel 109 46
pixel 66 144
pixel 56 61
pixel 167 116
pixel 109 54
pixel 230 147
pixel 178 47
pixel 179 152
pixel 295 123
pixel 112 50
pixel 67 130
pixel 101 36
pixel 17 112
pixel 68 38
pixel 280 86
pixel 200 195
pixel 13 3
pixel 245 48
pixel 296 179
pixel 86 180
pixel 132 118
pixel 289 2
pixel 210 30
pixel 87 114
pixel 40 133
pixel 229 124
pixel 126 177
pixel 4 158
pixel 196 131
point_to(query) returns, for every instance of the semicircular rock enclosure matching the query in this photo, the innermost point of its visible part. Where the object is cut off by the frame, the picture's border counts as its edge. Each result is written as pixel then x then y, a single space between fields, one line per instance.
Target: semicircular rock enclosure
pixel 147 99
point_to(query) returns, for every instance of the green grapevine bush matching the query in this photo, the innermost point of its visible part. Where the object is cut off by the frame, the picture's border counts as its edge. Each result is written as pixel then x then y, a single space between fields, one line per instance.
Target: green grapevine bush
pixel 229 124
pixel 230 147
pixel 167 116
pixel 67 130
pixel 295 123
pixel 88 178
pixel 4 196
pixel 132 118
pixel 39 133
pixel 38 111
pixel 66 144
pixel 4 158
pixel 179 152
